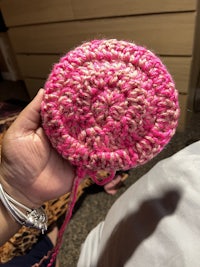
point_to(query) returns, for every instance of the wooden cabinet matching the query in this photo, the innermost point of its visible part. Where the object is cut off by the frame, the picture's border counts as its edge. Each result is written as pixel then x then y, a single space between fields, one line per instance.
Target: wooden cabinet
pixel 42 30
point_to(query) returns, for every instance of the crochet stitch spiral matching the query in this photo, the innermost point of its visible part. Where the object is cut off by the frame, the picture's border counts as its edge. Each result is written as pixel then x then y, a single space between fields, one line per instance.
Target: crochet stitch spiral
pixel 109 105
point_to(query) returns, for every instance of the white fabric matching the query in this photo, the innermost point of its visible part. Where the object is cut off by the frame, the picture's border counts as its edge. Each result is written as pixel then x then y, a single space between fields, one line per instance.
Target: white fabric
pixel 156 222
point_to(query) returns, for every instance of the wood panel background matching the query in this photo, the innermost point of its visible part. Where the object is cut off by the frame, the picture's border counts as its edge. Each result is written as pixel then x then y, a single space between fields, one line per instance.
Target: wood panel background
pixel 165 34
pixel 23 12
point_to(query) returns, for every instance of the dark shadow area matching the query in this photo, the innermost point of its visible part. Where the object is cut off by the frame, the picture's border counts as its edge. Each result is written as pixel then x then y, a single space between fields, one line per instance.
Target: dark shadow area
pixel 95 189
pixel 130 232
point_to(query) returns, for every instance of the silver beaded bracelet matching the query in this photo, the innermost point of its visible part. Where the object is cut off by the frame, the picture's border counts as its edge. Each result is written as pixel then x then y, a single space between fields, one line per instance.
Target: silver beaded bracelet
pixel 35 218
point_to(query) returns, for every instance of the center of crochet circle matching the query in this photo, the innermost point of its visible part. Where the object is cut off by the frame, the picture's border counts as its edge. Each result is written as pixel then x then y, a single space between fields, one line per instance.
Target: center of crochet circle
pixel 101 101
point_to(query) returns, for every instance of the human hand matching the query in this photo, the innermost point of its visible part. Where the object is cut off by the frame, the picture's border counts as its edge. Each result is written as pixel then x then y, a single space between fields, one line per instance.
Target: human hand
pixel 31 170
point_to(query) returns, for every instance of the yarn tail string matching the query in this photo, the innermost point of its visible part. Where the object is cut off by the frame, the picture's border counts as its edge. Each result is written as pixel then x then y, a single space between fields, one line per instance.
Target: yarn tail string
pixel 67 219
pixel 54 252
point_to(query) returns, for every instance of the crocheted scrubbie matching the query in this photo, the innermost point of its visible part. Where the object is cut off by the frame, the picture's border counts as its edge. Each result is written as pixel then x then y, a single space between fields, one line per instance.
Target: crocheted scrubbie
pixel 109 105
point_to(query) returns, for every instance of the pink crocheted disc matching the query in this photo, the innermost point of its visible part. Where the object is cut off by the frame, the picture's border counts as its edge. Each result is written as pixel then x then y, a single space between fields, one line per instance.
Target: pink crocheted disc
pixel 109 105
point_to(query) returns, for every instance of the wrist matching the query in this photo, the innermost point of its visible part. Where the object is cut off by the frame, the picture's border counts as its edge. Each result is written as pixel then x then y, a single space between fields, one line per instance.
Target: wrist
pixel 18 192
pixel 22 214
pixel 8 225
pixel 7 217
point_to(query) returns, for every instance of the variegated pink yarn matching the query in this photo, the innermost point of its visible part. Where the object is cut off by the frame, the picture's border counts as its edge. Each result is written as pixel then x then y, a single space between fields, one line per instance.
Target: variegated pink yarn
pixel 109 105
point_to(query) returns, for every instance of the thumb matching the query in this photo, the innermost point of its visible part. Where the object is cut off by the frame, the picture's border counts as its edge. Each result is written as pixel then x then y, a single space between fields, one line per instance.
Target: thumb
pixel 29 119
